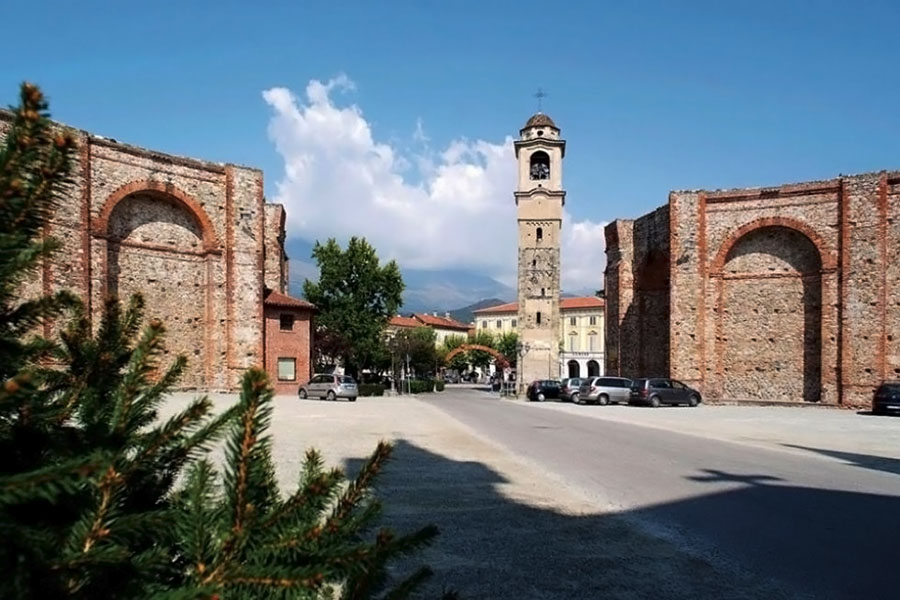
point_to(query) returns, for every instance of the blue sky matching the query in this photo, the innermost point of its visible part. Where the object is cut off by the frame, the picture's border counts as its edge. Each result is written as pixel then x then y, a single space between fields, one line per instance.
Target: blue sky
pixel 651 96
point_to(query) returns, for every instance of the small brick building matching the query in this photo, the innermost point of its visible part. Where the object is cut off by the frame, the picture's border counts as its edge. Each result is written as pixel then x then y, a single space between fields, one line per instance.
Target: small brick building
pixel 197 239
pixel 777 294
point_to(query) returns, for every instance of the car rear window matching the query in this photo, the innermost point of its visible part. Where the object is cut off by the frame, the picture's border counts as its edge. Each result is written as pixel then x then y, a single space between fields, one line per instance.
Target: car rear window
pixel 347 380
pixel 638 383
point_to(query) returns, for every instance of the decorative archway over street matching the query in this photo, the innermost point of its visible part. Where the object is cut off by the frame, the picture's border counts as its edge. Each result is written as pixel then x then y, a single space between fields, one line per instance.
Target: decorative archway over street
pixel 501 360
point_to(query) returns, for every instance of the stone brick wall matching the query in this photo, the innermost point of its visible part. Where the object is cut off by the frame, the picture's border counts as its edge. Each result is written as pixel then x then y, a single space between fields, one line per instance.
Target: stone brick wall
pixel 293 343
pixel 637 296
pixel 276 259
pixel 776 294
pixel 190 235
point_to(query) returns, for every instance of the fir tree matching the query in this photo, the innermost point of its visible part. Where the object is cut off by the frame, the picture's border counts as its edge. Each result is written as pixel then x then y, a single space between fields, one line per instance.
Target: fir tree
pixel 87 508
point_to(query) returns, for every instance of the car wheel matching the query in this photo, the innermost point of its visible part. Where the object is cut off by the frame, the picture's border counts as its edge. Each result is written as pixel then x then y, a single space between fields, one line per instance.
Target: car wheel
pixel 331 395
pixel 654 401
pixel 303 395
pixel 602 399
pixel 540 397
pixel 693 400
pixel 352 399
pixel 576 399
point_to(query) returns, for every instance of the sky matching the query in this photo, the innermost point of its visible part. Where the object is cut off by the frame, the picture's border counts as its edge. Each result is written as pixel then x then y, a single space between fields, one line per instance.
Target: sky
pixel 394 120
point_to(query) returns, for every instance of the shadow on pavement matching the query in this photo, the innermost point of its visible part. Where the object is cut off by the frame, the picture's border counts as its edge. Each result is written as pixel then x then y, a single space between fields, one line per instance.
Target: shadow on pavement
pixel 492 546
pixel 867 461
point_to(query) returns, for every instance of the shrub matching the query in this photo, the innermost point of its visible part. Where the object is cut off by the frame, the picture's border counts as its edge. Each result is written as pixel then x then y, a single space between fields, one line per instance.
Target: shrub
pixel 371 389
pixel 439 386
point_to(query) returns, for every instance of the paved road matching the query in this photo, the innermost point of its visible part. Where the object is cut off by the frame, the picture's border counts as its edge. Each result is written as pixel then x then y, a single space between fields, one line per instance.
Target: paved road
pixel 818 527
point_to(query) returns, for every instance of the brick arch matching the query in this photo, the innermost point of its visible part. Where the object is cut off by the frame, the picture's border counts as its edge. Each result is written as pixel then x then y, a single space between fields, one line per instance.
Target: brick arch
pixel 829 260
pixel 497 355
pixel 101 223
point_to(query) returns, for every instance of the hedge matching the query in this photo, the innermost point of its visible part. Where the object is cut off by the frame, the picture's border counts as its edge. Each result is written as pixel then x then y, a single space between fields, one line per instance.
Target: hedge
pixel 371 389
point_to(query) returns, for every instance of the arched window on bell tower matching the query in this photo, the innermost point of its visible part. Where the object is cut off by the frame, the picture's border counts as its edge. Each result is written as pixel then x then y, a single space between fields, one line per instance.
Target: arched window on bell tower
pixel 540 165
pixel 539 234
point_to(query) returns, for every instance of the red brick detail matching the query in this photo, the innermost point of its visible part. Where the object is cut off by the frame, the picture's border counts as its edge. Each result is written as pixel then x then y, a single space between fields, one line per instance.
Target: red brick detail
pixel 229 270
pixel 702 266
pixel 499 357
pixel 829 261
pixel 261 266
pixel 295 344
pixel 844 350
pixel 882 295
pixel 101 224
pixel 85 158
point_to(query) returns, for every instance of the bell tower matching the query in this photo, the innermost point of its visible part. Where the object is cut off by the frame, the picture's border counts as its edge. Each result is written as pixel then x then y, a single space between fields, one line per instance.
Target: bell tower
pixel 539 202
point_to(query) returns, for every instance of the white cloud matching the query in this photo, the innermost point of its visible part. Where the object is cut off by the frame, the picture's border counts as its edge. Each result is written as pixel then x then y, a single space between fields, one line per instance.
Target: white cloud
pixel 458 213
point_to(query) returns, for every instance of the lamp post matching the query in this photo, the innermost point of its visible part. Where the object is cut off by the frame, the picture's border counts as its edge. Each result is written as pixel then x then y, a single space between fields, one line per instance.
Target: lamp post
pixel 521 350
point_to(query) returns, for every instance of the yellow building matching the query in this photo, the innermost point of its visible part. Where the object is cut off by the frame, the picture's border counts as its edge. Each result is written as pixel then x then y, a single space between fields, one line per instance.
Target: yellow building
pixel 581 328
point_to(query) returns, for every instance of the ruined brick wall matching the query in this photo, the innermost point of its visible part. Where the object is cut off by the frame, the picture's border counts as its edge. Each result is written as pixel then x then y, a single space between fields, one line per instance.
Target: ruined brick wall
pixel 293 343
pixel 276 259
pixel 637 296
pixel 189 235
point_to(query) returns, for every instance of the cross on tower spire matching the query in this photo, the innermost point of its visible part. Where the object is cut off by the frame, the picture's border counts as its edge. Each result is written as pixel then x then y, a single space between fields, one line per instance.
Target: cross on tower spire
pixel 540 95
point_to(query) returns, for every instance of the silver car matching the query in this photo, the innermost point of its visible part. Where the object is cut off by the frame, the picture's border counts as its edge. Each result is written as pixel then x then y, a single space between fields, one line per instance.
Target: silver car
pixel 603 390
pixel 330 387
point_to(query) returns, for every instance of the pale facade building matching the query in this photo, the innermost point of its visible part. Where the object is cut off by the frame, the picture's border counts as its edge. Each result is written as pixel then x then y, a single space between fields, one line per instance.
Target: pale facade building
pixel 581 333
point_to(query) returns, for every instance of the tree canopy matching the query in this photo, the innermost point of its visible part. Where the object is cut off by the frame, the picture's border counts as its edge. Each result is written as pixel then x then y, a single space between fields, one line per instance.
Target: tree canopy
pixel 356 296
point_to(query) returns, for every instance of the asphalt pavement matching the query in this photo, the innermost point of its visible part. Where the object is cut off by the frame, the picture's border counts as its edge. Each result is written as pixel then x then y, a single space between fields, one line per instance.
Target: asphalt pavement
pixel 807 523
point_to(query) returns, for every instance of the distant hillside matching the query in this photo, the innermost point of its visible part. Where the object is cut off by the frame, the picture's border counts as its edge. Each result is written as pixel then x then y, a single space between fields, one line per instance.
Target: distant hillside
pixel 465 314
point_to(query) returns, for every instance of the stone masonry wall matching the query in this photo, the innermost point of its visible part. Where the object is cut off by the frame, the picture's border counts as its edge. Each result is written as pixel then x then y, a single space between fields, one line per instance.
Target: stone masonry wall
pixel 776 294
pixel 637 296
pixel 276 260
pixel 189 235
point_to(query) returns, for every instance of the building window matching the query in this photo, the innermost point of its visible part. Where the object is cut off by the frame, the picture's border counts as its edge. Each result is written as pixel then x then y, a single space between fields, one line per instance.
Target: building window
pixel 573 320
pixel 287 369
pixel 539 317
pixel 286 322
pixel 484 324
pixel 513 323
pixel 592 341
pixel 593 320
pixel 543 292
pixel 499 324
pixel 540 233
pixel 572 338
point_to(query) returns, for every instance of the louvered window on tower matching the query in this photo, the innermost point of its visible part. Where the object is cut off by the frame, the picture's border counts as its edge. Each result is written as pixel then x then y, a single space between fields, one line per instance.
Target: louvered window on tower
pixel 539 234
pixel 540 166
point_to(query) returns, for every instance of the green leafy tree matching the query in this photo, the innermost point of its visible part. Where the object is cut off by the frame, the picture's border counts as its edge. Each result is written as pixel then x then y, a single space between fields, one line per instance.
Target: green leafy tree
pixel 356 296
pixel 506 345
pixel 481 358
pixel 459 362
pixel 419 344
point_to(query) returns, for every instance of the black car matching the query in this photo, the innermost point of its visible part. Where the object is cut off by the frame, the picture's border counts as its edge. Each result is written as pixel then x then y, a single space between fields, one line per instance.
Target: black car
pixel 886 398
pixel 542 389
pixel 661 390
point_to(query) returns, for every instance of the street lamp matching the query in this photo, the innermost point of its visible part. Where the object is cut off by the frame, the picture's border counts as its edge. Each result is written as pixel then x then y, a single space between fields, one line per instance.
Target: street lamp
pixel 521 350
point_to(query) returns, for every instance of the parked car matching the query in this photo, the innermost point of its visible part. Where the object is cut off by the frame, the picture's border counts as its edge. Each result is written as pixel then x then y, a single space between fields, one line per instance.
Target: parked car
pixel 542 389
pixel 330 387
pixel 663 391
pixel 886 398
pixel 603 390
pixel 568 389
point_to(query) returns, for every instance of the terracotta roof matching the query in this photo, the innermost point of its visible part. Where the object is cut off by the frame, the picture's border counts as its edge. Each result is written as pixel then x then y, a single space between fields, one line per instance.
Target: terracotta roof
pixel 399 321
pixel 274 298
pixel 540 120
pixel 564 304
pixel 444 322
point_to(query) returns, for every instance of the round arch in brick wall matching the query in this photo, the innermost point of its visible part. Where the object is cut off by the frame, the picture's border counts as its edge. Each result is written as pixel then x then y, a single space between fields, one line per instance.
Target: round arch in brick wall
pixel 829 260
pixel 172 193
pixel 769 313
